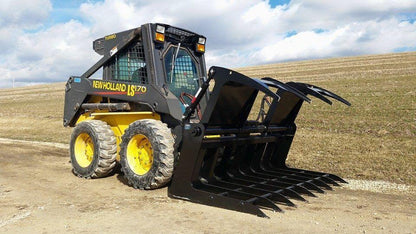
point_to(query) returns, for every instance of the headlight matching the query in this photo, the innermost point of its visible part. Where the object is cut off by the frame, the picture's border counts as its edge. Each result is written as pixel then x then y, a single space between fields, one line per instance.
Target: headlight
pixel 201 40
pixel 200 46
pixel 160 33
pixel 160 29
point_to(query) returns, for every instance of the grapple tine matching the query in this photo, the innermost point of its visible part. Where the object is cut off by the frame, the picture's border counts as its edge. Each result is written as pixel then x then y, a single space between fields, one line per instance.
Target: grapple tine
pixel 291 193
pixel 302 172
pixel 312 186
pixel 337 178
pixel 299 175
pixel 306 172
pixel 288 174
pixel 332 176
pixel 281 198
pixel 327 93
pixel 277 84
pixel 246 196
pixel 328 180
pixel 321 183
pixel 306 90
pixel 301 189
pixel 288 181
pixel 264 202
pixel 324 177
pixel 265 176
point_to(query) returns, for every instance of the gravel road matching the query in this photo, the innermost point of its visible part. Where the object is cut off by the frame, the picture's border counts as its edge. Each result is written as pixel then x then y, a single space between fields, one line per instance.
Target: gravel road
pixel 39 194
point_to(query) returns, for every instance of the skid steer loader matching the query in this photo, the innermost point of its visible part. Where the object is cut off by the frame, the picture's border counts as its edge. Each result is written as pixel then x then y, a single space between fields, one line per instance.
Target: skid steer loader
pixel 154 114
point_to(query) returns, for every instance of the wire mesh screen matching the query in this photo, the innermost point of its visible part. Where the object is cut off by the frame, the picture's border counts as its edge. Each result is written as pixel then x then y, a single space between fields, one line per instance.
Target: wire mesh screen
pixel 184 77
pixel 129 65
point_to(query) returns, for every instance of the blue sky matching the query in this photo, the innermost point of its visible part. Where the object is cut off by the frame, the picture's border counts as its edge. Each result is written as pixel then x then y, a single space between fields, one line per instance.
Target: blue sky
pixel 274 3
pixel 64 11
pixel 49 40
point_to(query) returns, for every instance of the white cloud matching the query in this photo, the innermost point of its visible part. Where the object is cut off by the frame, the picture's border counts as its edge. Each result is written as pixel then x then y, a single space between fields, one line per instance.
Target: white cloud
pixel 17 16
pixel 370 37
pixel 50 55
pixel 244 32
pixel 312 14
pixel 24 13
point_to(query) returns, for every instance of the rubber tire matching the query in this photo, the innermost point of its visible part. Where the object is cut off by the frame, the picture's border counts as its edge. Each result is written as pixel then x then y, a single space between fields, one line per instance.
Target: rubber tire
pixel 105 149
pixel 162 142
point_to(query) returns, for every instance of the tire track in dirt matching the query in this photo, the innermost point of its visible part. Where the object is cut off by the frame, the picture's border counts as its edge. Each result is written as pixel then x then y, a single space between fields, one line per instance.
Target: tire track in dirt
pixel 353 184
pixel 42 143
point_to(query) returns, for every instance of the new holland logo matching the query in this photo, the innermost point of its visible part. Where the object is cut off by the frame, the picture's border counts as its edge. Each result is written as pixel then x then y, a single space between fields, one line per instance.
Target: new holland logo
pixel 118 88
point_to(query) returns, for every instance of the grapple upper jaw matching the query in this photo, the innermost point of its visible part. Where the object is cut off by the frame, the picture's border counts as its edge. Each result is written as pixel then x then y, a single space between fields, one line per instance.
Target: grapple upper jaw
pixel 317 92
pixel 232 98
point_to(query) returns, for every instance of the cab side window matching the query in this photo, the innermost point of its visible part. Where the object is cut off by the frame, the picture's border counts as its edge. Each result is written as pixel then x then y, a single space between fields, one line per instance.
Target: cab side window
pixel 129 65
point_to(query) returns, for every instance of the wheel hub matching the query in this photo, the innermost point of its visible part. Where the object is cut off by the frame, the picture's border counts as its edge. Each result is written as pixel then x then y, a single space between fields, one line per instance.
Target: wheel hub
pixel 84 150
pixel 140 154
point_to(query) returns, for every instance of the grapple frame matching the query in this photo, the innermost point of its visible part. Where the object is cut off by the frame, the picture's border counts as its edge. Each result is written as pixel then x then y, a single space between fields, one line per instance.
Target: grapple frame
pixel 229 162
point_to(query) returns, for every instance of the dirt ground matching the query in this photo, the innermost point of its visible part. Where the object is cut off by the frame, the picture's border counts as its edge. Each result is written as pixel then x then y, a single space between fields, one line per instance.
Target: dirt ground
pixel 39 194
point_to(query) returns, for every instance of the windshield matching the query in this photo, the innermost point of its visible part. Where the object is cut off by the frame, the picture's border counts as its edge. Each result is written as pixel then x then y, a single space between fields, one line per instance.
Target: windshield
pixel 184 77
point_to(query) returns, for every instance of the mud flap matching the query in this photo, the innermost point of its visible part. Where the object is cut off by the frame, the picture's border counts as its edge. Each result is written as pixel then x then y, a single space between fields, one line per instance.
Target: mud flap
pixel 229 162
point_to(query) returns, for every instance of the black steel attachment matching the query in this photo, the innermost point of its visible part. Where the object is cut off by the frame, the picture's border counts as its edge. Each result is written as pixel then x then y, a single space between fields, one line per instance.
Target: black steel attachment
pixel 227 161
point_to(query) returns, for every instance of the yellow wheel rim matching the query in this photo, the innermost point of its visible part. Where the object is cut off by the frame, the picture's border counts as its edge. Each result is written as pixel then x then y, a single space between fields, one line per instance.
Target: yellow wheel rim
pixel 140 154
pixel 84 150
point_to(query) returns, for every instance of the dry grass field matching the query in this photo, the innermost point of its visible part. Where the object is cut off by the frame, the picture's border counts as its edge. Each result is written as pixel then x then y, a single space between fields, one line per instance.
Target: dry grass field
pixel 374 139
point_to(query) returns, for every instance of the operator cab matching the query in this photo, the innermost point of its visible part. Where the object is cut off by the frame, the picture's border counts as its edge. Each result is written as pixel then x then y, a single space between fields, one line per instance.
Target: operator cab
pixel 174 60
pixel 183 61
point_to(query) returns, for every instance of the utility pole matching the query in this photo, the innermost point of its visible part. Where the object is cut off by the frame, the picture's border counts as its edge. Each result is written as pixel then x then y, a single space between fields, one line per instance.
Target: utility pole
pixel 13 82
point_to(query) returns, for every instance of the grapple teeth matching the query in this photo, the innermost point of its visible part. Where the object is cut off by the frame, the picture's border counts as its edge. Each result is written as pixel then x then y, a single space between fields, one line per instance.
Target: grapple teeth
pixel 321 183
pixel 292 194
pixel 301 189
pixel 333 177
pixel 312 186
pixel 329 180
pixel 337 178
pixel 228 162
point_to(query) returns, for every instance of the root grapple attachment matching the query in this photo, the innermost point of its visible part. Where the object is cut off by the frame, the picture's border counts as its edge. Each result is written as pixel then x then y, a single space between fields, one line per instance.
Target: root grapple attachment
pixel 227 161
